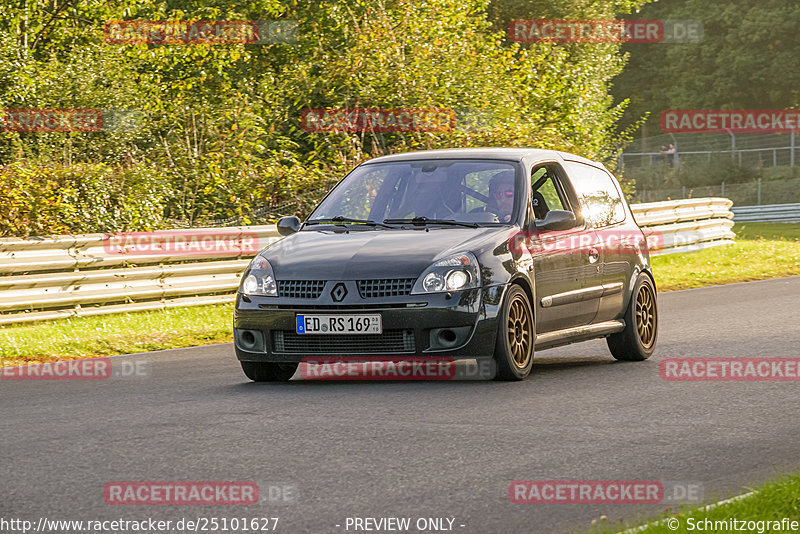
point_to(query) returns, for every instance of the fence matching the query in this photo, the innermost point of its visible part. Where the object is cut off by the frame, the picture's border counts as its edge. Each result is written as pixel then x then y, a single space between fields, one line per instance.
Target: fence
pixel 744 149
pixel 751 157
pixel 93 274
pixel 742 194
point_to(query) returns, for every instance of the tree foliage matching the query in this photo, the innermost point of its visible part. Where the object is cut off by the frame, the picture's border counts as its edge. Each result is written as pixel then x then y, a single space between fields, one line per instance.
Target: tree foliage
pixel 746 60
pixel 218 130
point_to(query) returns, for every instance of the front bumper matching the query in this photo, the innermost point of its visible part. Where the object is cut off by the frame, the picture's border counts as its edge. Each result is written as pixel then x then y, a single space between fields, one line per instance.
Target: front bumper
pixel 458 325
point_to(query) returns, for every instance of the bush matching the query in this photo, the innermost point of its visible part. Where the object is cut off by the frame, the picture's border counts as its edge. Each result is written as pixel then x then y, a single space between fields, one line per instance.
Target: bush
pixel 82 198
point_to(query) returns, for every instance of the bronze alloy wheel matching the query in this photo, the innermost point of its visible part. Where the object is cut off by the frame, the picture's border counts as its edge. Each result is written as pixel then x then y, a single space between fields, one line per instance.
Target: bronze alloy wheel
pixel 645 315
pixel 519 331
pixel 638 340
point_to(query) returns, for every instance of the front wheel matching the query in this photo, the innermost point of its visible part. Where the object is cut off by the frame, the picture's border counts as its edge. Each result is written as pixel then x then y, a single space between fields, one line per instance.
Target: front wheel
pixel 513 351
pixel 638 341
pixel 269 371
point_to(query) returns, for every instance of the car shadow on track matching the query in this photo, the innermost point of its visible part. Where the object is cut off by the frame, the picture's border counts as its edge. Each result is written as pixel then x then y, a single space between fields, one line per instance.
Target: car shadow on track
pixel 542 366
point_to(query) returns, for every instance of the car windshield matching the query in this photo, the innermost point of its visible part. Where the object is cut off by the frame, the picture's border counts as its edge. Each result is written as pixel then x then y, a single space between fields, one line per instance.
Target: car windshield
pixel 447 191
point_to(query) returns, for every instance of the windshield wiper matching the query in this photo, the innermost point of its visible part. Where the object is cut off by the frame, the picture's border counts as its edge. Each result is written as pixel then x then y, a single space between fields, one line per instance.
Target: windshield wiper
pixel 345 220
pixel 422 221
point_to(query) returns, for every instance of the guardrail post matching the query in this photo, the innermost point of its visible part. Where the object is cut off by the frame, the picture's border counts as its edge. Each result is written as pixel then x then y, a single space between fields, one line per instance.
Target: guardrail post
pixel 722 190
pixel 683 191
pixel 791 152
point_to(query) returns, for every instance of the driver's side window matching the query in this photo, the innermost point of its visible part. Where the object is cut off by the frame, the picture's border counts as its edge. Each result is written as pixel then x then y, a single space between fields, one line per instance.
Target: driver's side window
pixel 546 193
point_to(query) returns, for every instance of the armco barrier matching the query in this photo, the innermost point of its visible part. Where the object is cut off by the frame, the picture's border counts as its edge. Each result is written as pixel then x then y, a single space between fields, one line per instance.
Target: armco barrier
pixel 82 275
pixel 786 213
pixel 93 274
pixel 687 225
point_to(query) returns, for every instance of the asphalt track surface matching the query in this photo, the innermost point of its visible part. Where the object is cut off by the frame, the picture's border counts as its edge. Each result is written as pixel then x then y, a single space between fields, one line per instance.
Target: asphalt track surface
pixel 418 449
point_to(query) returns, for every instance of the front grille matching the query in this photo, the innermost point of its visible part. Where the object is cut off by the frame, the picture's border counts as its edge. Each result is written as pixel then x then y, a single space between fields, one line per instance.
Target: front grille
pixel 386 287
pixel 390 341
pixel 300 289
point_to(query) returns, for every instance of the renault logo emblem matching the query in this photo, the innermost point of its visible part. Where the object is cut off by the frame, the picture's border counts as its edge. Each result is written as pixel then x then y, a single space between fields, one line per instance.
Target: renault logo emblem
pixel 339 292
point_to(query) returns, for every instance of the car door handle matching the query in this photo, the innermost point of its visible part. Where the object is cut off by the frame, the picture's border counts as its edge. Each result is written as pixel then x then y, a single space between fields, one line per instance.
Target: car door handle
pixel 594 255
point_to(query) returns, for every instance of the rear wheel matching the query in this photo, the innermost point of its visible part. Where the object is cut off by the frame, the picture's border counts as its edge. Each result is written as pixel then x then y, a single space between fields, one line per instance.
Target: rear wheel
pixel 638 341
pixel 513 351
pixel 268 371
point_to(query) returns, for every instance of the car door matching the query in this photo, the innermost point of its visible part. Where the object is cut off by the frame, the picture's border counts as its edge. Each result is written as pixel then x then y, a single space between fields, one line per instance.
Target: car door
pixel 619 239
pixel 566 262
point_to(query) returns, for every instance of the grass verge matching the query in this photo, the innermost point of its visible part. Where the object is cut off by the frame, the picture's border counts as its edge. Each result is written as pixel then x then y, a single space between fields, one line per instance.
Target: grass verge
pixel 762 251
pixel 771 503
pixel 121 333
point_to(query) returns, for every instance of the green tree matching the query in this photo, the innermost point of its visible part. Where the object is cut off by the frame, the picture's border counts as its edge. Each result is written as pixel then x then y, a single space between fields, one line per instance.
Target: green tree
pixel 218 129
pixel 747 59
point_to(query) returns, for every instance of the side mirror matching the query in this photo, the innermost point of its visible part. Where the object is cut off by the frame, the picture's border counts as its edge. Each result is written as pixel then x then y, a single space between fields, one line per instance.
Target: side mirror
pixel 557 220
pixel 288 225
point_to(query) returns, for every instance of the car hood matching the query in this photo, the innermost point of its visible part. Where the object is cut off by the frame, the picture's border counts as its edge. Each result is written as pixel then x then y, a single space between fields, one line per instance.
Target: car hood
pixel 367 254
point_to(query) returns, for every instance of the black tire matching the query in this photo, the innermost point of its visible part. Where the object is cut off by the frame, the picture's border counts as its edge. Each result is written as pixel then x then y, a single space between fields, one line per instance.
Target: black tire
pixel 516 331
pixel 268 371
pixel 638 341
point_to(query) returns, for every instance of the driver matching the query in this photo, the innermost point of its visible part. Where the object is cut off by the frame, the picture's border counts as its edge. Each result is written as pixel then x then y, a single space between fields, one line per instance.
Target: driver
pixel 501 195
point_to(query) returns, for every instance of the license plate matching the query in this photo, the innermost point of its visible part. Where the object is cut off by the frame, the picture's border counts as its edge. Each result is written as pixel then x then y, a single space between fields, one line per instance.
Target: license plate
pixel 339 324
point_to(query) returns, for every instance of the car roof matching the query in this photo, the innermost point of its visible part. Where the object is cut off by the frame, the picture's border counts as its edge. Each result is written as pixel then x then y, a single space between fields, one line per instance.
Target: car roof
pixel 515 154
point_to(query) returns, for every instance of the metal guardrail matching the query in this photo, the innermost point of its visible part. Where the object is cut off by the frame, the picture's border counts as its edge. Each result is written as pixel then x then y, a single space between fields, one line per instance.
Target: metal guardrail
pixel 786 213
pixel 94 274
pixel 686 225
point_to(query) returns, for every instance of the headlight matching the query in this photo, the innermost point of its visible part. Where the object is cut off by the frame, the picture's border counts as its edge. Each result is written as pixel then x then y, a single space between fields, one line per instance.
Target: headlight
pixel 453 273
pixel 259 279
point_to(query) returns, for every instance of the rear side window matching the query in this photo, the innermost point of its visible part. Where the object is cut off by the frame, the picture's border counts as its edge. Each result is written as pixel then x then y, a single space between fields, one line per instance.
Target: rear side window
pixel 601 203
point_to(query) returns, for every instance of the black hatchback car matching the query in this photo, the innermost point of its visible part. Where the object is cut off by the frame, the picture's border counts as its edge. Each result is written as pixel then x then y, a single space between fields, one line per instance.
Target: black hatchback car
pixel 476 254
